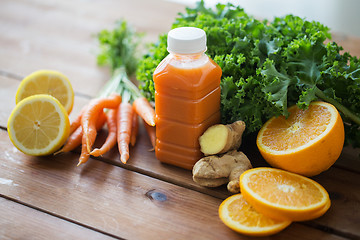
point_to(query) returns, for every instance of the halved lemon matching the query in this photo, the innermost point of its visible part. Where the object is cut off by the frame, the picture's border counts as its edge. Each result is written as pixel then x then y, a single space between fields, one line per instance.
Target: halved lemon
pixel 307 143
pixel 49 82
pixel 38 125
pixel 236 213
pixel 283 195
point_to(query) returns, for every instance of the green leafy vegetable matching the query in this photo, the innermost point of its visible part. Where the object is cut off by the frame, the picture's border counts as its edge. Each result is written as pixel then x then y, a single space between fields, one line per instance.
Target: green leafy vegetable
pixel 269 66
pixel 118 50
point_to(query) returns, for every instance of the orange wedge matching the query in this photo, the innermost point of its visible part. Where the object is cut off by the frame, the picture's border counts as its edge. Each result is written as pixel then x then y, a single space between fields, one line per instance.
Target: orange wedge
pixel 283 195
pixel 307 143
pixel 236 213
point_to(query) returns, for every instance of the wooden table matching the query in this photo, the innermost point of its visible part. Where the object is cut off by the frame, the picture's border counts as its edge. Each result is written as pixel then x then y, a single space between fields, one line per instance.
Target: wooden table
pixel 51 198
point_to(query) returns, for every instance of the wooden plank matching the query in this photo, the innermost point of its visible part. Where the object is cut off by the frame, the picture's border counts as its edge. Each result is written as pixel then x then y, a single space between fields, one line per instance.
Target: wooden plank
pixel 142 160
pixel 61 35
pixel 119 202
pixel 32 30
pixel 21 222
pixel 344 190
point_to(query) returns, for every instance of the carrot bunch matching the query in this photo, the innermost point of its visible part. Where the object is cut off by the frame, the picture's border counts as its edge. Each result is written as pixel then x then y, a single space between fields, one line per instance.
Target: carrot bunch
pixel 122 121
pixel 119 103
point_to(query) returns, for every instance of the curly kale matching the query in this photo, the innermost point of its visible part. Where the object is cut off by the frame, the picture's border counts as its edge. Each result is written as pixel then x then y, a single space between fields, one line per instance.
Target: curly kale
pixel 269 66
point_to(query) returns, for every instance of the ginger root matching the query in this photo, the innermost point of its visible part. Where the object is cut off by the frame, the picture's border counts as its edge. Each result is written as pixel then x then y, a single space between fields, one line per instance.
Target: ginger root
pixel 214 171
pixel 221 138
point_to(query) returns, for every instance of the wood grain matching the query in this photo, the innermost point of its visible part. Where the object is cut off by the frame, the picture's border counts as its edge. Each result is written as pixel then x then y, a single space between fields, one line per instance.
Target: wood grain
pixel 144 199
pixel 141 159
pixel 117 201
pixel 61 35
pixel 21 222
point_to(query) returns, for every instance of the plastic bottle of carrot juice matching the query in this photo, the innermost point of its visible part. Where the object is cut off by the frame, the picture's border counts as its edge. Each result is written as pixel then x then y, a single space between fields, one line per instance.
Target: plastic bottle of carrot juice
pixel 187 97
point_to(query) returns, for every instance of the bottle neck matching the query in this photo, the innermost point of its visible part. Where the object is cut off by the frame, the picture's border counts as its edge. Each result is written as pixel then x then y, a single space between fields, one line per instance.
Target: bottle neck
pixel 190 56
pixel 193 60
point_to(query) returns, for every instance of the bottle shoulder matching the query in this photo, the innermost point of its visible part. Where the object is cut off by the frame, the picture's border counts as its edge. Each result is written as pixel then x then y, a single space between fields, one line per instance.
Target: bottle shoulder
pixel 186 63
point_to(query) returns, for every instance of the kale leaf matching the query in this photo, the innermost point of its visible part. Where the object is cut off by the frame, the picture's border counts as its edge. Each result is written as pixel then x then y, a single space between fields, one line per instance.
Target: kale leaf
pixel 269 66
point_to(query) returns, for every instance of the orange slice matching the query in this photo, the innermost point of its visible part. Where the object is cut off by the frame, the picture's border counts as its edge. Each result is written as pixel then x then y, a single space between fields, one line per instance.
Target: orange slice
pixel 283 195
pixel 236 213
pixel 307 143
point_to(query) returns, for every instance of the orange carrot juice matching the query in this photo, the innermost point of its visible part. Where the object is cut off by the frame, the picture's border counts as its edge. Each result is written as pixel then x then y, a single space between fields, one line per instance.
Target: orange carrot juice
pixel 187 98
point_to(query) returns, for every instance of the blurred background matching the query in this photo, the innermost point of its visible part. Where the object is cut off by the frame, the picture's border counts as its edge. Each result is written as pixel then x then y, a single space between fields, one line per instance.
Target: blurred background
pixel 341 16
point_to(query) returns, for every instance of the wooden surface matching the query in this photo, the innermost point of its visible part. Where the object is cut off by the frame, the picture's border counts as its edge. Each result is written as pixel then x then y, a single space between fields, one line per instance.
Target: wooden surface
pixel 51 198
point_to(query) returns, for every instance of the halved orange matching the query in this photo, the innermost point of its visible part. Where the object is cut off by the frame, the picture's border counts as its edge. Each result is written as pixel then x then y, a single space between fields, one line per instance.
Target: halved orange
pixel 236 213
pixel 308 142
pixel 283 195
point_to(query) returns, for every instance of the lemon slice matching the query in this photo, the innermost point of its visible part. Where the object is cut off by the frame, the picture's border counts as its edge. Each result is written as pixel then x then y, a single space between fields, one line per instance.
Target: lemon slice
pixel 49 82
pixel 236 213
pixel 38 125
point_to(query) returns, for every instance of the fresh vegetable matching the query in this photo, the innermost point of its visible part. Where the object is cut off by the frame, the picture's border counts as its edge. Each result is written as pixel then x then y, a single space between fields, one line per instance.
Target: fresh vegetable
pixel 118 50
pixel 85 155
pixel 110 141
pixel 214 171
pixel 143 108
pixel 134 129
pixel 221 138
pixel 92 112
pixel 124 126
pixel 151 131
pixel 75 138
pixel 89 120
pixel 77 121
pixel 268 66
pixel 308 142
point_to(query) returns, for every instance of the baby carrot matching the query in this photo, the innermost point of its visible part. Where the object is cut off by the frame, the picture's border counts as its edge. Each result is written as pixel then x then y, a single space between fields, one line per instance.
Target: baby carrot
pixel 91 113
pixel 134 128
pixel 124 117
pixel 75 138
pixel 111 138
pixel 84 156
pixel 77 121
pixel 145 110
pixel 152 134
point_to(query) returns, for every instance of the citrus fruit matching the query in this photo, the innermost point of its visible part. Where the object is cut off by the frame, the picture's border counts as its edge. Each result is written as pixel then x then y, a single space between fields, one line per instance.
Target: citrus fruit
pixel 283 195
pixel 38 125
pixel 308 142
pixel 49 82
pixel 236 213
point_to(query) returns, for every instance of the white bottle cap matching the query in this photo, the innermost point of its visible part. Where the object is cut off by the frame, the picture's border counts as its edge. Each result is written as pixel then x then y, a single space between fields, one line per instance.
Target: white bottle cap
pixel 186 40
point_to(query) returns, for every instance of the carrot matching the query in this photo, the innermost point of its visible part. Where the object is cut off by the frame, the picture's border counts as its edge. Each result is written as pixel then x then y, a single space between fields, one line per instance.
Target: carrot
pixel 75 138
pixel 145 110
pixel 134 128
pixel 84 156
pixel 124 123
pixel 151 131
pixel 91 113
pixel 111 138
pixel 77 121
